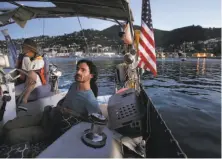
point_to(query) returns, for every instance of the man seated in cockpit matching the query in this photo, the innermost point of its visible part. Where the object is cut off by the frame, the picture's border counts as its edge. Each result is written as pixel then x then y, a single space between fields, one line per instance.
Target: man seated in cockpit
pixel 80 101
pixel 84 88
pixel 33 64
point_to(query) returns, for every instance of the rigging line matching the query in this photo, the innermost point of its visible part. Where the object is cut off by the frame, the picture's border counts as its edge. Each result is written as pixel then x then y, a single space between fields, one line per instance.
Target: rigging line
pixel 87 48
pixel 43 36
pixel 43 29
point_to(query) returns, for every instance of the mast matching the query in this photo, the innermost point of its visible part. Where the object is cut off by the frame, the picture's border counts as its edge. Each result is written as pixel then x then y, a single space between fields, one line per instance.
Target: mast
pixel 131 27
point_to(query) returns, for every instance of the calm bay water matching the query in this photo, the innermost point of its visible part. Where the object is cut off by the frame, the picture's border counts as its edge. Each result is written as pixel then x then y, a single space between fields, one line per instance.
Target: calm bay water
pixel 187 94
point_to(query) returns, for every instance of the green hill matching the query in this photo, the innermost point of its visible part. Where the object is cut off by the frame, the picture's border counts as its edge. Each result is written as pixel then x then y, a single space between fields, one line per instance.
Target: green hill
pixel 109 36
pixel 177 36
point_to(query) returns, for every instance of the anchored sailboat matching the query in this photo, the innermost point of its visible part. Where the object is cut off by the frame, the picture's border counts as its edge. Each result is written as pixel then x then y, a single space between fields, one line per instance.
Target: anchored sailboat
pixel 134 128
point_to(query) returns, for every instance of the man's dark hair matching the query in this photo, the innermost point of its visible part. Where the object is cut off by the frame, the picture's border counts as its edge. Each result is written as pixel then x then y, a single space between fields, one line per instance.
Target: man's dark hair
pixel 93 71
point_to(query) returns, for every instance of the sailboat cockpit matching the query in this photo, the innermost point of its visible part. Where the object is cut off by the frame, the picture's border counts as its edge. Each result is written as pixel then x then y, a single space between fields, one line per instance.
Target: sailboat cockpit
pixel 129 126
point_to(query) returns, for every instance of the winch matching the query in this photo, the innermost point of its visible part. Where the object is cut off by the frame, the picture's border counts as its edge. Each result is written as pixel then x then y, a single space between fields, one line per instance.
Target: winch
pixel 95 137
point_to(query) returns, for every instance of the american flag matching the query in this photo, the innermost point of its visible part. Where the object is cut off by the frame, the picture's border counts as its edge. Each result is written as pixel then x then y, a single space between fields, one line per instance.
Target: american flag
pixel 146 48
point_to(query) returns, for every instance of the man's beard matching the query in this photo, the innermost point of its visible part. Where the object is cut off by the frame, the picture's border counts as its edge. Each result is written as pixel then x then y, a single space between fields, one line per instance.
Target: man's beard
pixel 78 78
pixel 81 79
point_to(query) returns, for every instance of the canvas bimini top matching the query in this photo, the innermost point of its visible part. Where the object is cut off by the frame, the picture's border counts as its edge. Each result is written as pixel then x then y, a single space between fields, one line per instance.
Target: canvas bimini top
pixel 21 11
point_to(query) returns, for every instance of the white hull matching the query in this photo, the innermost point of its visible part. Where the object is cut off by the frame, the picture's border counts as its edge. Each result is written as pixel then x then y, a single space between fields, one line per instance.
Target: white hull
pixel 72 146
pixel 38 105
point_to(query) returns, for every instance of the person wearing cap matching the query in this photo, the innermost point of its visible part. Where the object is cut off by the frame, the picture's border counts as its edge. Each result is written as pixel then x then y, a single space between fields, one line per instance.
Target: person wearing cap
pixel 32 63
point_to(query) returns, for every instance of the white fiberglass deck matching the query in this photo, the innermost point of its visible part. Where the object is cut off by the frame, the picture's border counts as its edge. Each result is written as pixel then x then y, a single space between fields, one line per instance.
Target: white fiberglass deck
pixel 70 145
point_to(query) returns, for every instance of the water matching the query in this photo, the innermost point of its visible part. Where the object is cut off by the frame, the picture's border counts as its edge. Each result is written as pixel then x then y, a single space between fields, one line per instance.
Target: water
pixel 187 94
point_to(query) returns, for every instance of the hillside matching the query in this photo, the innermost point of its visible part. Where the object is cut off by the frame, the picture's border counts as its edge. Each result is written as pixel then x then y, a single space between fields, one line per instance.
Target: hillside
pixel 112 32
pixel 177 36
pixel 109 36
pixel 191 34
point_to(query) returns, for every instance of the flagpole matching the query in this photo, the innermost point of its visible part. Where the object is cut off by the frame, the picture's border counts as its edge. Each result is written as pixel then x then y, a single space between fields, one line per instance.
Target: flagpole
pixel 131 26
pixel 133 47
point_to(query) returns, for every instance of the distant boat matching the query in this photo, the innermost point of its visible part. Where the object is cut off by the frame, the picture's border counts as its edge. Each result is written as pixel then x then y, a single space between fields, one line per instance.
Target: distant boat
pixel 161 55
pixel 182 56
pixel 65 55
pixel 202 55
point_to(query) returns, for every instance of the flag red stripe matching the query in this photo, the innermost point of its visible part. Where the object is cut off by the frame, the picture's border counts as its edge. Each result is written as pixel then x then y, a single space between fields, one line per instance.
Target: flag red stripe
pixel 145 67
pixel 148 51
pixel 147 64
pixel 140 63
pixel 147 36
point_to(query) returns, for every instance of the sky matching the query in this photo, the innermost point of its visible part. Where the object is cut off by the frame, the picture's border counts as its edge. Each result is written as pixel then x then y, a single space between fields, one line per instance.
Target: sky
pixel 166 15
